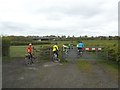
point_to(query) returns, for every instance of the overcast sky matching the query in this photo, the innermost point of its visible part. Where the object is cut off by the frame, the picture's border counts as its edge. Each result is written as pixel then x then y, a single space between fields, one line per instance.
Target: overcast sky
pixel 59 17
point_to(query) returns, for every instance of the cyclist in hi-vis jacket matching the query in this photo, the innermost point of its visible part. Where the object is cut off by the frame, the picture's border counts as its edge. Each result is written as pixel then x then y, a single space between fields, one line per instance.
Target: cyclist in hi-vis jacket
pixel 55 49
pixel 64 47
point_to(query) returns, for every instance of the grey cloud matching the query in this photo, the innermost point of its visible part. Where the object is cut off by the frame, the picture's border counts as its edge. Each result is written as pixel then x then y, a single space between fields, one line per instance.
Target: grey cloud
pixel 73 9
pixel 82 17
pixel 119 18
pixel 13 28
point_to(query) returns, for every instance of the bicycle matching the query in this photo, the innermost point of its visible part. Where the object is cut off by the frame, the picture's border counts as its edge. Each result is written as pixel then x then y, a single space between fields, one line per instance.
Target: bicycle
pixel 80 52
pixel 66 51
pixel 55 58
pixel 28 59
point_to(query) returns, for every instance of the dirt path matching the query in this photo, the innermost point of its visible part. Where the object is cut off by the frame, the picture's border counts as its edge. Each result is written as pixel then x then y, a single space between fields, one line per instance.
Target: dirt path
pixel 56 75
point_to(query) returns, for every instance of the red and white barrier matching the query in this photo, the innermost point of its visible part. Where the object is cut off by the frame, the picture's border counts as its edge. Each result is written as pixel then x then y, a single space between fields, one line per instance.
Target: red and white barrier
pixel 92 48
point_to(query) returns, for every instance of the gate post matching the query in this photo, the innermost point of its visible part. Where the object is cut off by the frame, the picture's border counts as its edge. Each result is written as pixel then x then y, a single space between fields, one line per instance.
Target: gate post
pixel 96 52
pixel 107 55
pixel 85 52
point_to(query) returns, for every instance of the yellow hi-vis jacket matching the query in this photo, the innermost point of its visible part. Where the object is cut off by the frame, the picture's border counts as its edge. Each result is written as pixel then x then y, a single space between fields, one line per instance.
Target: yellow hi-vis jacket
pixel 77 45
pixel 64 47
pixel 55 48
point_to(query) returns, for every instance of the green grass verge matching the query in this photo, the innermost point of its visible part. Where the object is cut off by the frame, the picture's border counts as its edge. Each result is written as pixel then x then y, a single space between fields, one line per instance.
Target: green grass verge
pixel 65 63
pixel 6 58
pixel 84 65
pixel 112 66
pixel 9 58
pixel 39 61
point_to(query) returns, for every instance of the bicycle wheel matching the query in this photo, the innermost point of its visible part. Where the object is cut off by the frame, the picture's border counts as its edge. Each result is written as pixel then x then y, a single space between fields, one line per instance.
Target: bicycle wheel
pixel 31 60
pixel 55 59
pixel 80 54
pixel 27 61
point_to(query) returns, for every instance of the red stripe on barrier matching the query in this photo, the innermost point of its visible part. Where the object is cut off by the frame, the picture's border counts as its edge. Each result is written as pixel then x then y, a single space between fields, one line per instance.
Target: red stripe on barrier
pixel 83 48
pixel 90 48
pixel 96 48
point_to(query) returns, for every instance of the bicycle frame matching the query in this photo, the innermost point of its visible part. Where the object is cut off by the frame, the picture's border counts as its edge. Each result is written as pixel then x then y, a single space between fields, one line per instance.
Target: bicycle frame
pixel 80 52
pixel 54 58
pixel 29 59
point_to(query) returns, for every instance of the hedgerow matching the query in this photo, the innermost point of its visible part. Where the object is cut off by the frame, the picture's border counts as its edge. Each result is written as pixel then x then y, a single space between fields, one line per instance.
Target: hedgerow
pixel 15 43
pixel 5 46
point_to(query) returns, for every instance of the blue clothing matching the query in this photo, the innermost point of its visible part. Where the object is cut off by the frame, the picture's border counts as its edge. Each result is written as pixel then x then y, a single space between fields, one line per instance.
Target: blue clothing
pixel 80 45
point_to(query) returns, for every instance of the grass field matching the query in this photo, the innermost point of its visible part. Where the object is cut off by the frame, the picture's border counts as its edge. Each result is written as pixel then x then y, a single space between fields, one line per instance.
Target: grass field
pixel 17 51
pixel 91 43
pixel 100 41
pixel 20 51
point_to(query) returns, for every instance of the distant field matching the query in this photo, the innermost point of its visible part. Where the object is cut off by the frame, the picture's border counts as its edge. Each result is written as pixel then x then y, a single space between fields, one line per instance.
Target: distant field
pixel 17 51
pixel 100 42
pixel 20 51
pixel 91 41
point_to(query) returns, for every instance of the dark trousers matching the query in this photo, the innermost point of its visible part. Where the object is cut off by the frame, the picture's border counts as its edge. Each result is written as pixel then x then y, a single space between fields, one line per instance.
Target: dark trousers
pixel 30 57
pixel 56 53
pixel 30 54
pixel 80 49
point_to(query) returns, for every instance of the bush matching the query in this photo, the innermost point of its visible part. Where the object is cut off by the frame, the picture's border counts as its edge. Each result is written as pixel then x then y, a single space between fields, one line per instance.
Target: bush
pixel 112 52
pixel 5 46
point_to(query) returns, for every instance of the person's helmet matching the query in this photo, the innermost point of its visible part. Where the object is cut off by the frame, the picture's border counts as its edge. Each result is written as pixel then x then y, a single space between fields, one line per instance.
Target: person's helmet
pixel 30 44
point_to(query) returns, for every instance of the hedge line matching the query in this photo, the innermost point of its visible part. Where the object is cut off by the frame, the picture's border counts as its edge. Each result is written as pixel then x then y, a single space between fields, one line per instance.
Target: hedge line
pixel 5 46
pixel 112 52
pixel 26 43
